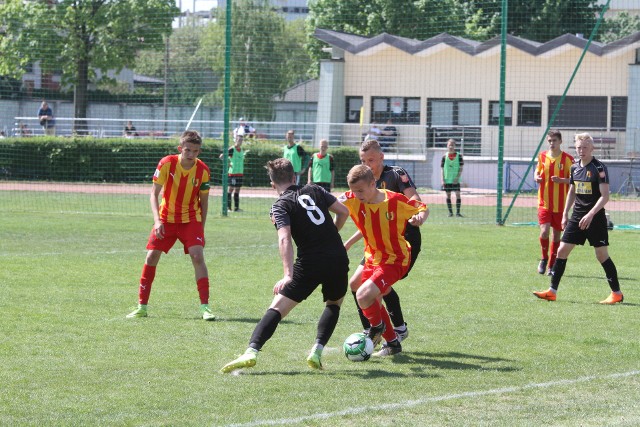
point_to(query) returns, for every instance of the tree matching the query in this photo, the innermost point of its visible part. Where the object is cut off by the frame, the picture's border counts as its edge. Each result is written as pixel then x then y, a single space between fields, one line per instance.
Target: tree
pixel 79 37
pixel 189 77
pixel 262 54
pixel 406 18
pixel 619 26
pixel 538 20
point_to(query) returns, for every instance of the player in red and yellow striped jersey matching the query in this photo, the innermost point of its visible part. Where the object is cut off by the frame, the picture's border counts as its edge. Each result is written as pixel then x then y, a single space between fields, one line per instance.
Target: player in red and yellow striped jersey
pixel 381 216
pixel 552 173
pixel 183 180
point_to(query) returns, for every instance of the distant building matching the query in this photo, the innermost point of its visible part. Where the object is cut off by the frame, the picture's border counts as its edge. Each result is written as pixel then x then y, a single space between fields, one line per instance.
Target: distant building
pixel 290 9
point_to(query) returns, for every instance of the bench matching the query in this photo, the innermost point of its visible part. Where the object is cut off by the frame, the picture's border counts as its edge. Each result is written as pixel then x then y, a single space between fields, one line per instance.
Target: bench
pixel 605 143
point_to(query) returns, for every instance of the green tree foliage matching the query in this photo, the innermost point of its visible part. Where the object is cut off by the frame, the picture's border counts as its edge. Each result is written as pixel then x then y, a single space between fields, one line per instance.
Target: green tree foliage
pixel 538 20
pixel 406 18
pixel 80 36
pixel 619 26
pixel 189 77
pixel 267 56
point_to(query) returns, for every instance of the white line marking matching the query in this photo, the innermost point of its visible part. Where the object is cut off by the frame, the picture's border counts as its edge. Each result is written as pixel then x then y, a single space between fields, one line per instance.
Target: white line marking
pixel 410 403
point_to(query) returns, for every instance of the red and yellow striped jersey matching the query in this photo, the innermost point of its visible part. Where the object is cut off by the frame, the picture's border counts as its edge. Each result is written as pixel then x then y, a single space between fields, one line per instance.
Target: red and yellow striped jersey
pixel 382 225
pixel 552 195
pixel 182 189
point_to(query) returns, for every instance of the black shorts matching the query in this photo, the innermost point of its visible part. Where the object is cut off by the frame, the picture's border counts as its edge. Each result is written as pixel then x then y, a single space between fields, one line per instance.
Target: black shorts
pixel 331 272
pixel 235 181
pixel 451 187
pixel 597 233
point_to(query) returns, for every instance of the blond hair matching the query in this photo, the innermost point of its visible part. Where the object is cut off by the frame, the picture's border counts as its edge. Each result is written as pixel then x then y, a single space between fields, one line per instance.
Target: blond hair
pixel 584 137
pixel 360 173
pixel 370 144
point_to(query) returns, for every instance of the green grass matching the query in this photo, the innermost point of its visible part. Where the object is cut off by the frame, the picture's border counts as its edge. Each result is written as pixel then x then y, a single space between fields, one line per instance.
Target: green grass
pixel 482 349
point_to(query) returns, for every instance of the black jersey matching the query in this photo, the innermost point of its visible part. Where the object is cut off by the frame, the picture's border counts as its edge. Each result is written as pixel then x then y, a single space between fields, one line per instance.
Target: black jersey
pixel 586 181
pixel 397 179
pixel 306 210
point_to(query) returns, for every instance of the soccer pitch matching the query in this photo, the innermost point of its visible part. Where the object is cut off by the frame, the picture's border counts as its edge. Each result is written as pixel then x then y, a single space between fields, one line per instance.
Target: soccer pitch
pixel 482 350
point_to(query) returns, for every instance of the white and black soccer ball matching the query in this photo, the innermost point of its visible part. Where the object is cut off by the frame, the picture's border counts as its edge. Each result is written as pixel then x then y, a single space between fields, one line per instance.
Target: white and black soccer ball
pixel 358 347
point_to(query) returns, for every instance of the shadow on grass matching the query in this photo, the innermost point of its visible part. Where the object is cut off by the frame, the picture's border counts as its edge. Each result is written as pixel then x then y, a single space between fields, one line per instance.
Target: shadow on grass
pixel 455 361
pixel 580 276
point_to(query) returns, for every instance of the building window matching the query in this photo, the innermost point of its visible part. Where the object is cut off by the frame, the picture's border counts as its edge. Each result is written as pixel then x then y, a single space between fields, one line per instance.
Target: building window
pixel 354 104
pixel 494 113
pixel 618 112
pixel 458 119
pixel 397 109
pixel 529 113
pixel 580 112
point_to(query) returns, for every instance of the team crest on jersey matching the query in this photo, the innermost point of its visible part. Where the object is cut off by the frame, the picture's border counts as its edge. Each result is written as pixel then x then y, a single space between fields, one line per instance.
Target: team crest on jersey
pixel 390 216
pixel 195 182
pixel 602 175
pixel 588 174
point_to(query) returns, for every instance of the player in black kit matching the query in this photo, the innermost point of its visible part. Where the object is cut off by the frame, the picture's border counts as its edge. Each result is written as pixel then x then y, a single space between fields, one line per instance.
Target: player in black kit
pixel 303 214
pixel 393 178
pixel 588 194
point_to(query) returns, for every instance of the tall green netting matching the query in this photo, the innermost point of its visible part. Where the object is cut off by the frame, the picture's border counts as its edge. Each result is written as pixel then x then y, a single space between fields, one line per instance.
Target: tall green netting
pixel 493 75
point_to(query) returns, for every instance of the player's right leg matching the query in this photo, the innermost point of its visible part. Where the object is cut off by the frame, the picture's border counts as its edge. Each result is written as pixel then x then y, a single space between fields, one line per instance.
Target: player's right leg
pixel 354 283
pixel 146 280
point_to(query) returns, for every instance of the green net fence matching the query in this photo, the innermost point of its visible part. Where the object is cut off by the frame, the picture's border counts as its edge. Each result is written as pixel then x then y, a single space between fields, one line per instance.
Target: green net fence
pixel 123 79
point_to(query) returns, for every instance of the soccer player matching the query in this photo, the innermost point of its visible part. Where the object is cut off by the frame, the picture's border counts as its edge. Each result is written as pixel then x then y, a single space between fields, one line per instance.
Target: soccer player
pixel 295 154
pixel 381 216
pixel 588 194
pixel 236 172
pixel 451 166
pixel 183 180
pixel 396 179
pixel 321 167
pixel 552 173
pixel 302 214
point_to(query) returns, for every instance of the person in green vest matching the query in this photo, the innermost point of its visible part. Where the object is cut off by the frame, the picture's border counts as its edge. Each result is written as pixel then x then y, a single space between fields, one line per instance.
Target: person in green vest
pixel 295 154
pixel 236 172
pixel 321 167
pixel 452 163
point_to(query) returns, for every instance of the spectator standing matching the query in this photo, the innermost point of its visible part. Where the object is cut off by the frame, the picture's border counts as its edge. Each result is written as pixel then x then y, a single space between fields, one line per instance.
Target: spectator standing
pixel 45 116
pixel 451 166
pixel 552 174
pixel 321 167
pixel 244 129
pixel 295 154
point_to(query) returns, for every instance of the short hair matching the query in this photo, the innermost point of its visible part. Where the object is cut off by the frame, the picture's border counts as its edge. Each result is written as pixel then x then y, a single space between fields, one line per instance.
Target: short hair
pixel 370 144
pixel 360 173
pixel 280 171
pixel 584 137
pixel 191 136
pixel 291 131
pixel 555 133
pixel 451 140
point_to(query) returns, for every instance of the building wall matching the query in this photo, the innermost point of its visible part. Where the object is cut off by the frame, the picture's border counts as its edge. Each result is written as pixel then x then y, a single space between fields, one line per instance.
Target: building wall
pixel 446 72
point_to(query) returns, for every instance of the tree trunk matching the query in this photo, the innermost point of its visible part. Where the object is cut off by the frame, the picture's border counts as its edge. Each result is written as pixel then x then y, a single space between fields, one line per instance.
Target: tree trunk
pixel 80 102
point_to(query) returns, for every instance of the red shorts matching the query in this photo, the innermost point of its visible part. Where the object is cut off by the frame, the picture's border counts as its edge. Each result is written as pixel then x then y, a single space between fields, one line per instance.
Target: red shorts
pixel 384 275
pixel 190 234
pixel 545 216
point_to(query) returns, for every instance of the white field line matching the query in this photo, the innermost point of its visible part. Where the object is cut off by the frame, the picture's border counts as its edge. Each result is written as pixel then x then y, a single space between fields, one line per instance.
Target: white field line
pixel 427 400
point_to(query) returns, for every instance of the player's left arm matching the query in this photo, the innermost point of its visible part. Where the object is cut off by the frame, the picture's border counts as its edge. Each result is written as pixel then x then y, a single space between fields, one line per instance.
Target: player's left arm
pixel 204 206
pixel 457 178
pixel 285 246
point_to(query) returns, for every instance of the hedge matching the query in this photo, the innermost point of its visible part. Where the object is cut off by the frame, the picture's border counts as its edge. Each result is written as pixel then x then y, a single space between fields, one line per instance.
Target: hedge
pixel 121 160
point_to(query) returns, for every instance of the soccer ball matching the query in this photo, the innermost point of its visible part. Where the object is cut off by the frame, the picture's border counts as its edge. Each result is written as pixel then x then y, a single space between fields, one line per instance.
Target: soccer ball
pixel 358 347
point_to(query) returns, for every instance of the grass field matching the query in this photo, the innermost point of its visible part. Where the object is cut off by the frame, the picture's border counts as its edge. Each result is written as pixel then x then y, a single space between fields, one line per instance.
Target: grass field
pixel 482 350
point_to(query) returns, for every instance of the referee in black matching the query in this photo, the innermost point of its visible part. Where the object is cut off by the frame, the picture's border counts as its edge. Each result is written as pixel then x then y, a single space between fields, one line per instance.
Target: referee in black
pixel 302 214
pixel 588 194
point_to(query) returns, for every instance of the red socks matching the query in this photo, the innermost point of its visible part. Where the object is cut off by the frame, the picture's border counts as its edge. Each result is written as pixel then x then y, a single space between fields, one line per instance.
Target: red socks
pixel 377 313
pixel 146 279
pixel 544 245
pixel 554 253
pixel 203 290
